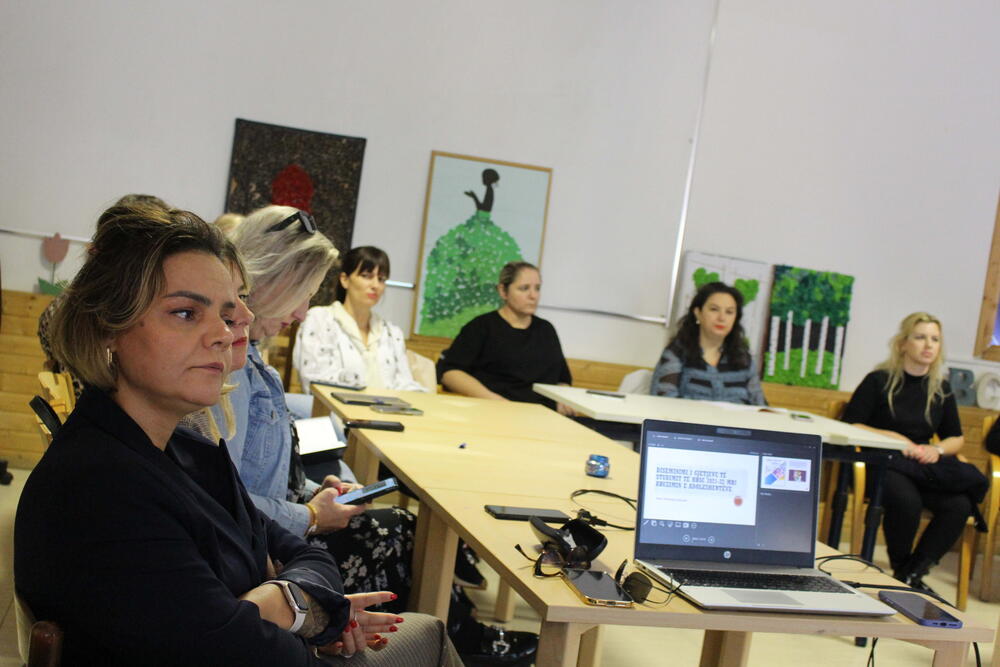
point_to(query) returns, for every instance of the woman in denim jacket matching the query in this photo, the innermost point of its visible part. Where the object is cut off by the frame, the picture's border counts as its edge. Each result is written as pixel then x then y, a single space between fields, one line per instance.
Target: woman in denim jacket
pixel 286 261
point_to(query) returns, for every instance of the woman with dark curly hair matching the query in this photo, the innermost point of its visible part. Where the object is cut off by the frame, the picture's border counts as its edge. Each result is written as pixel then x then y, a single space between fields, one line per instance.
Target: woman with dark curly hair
pixel 709 358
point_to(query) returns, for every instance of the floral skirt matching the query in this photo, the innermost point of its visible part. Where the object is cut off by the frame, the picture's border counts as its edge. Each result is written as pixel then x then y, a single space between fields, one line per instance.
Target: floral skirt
pixel 375 553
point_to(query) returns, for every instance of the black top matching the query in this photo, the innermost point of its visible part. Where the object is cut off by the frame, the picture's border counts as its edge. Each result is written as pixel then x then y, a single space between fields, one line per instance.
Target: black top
pixel 140 554
pixel 870 406
pixel 508 360
pixel 992 441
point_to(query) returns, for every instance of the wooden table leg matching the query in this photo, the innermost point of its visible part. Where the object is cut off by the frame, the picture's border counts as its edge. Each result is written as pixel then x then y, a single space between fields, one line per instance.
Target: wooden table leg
pixel 590 647
pixel 948 654
pixel 995 662
pixel 559 644
pixel 503 611
pixel 433 564
pixel 360 460
pixel 951 654
pixel 725 649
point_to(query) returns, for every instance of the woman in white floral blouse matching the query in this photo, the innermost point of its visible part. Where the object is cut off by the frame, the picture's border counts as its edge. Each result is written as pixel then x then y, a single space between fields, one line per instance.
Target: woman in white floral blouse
pixel 348 344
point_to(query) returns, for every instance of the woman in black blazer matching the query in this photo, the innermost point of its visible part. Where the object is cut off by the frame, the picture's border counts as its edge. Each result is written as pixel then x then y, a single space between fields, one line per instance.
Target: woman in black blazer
pixel 139 540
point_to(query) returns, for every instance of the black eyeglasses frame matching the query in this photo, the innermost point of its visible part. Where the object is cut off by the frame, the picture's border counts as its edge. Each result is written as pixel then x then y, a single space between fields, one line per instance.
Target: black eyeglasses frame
pixel 308 223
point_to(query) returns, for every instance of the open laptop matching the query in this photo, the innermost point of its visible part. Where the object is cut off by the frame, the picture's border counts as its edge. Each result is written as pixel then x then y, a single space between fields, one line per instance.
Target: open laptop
pixel 730 515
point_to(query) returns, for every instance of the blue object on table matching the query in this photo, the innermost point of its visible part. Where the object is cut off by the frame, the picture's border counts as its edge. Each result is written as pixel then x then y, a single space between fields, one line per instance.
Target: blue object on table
pixel 598 466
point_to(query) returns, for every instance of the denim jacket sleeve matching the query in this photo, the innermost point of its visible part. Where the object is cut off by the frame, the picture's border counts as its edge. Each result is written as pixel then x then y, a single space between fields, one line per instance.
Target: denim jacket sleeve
pixel 261 448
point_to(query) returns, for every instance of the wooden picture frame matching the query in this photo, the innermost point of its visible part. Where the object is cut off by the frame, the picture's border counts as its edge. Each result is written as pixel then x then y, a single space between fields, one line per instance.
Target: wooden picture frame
pixel 479 214
pixel 988 314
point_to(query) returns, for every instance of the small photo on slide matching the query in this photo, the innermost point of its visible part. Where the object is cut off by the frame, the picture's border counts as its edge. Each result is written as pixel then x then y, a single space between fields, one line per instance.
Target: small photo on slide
pixel 784 474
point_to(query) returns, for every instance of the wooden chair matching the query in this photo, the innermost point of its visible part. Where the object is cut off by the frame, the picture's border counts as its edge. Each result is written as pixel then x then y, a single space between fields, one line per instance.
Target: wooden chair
pixel 279 355
pixel 967 542
pixel 991 509
pixel 423 370
pixel 57 389
pixel 38 642
pixel 57 400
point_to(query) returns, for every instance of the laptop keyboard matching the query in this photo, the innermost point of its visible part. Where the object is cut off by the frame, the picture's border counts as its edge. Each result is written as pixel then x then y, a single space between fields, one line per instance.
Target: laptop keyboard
pixel 778 582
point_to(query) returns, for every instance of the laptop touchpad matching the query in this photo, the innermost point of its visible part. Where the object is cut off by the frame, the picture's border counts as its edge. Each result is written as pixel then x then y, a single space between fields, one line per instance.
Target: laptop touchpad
pixel 761 597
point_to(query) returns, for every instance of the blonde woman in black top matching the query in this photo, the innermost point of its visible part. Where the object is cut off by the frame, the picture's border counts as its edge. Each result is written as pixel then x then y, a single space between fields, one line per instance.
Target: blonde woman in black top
pixel 907 398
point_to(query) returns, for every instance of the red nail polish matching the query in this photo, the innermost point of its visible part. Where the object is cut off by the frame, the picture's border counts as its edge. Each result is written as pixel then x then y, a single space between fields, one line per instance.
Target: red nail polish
pixel 394 596
pixel 376 636
pixel 399 620
pixel 393 628
pixel 385 640
pixel 354 624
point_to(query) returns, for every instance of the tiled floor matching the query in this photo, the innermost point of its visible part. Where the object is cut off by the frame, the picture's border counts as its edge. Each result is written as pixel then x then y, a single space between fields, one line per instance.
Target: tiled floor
pixel 621 645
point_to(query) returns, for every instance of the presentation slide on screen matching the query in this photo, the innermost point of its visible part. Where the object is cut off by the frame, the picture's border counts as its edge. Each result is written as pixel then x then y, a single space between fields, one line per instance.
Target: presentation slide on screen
pixel 784 474
pixel 711 487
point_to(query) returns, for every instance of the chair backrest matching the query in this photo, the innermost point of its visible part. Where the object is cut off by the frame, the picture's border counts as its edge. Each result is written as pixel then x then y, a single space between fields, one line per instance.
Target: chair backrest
pixel 38 642
pixel 46 415
pixel 280 349
pixel 57 389
pixel 636 382
pixel 835 408
pixel 423 370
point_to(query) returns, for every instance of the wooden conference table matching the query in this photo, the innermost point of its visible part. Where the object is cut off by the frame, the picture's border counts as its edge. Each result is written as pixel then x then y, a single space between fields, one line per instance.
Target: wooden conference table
pixel 840 438
pixel 526 455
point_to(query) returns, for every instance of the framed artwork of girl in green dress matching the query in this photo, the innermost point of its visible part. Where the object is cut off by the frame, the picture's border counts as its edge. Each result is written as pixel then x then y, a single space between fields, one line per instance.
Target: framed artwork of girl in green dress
pixel 479 214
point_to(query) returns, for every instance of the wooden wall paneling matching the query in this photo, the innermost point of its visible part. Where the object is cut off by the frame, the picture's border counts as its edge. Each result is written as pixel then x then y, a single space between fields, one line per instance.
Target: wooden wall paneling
pixel 21 360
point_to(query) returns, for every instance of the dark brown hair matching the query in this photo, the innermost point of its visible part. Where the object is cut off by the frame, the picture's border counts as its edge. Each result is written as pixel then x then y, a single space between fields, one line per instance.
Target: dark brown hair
pixel 687 343
pixel 363 258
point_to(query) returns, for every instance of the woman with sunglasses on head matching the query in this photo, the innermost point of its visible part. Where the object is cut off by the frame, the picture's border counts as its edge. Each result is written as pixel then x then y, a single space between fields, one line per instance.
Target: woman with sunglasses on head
pixel 907 398
pixel 139 542
pixel 500 354
pixel 286 260
pixel 347 343
pixel 708 359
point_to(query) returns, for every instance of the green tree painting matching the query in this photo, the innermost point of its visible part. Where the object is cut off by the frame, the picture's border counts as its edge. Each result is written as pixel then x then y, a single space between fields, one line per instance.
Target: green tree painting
pixel 463 250
pixel 808 324
pixel 462 271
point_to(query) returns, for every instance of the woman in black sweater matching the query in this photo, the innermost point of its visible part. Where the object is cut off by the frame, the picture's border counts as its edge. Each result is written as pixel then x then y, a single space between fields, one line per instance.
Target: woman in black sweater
pixel 908 398
pixel 500 354
pixel 141 543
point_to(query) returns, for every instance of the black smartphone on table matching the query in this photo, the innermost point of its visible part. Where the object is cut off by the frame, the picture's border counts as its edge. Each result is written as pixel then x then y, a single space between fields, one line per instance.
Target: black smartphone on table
pixel 369 493
pixel 597 588
pixel 373 424
pixel 524 513
pixel 919 609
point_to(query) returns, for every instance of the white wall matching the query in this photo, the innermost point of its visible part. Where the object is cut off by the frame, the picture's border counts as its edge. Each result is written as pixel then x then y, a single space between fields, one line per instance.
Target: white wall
pixel 862 138
pixel 104 98
pixel 843 136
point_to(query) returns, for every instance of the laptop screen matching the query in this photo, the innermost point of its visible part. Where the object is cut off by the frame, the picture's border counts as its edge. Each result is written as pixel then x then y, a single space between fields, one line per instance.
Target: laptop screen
pixel 720 494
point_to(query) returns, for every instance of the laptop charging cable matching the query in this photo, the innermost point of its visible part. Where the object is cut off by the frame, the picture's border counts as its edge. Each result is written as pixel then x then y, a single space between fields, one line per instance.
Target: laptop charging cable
pixel 592 519
pixel 888 587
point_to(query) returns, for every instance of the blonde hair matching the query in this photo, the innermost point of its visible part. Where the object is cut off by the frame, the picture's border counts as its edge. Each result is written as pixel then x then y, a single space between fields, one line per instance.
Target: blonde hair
pixel 121 277
pixel 228 222
pixel 281 264
pixel 894 364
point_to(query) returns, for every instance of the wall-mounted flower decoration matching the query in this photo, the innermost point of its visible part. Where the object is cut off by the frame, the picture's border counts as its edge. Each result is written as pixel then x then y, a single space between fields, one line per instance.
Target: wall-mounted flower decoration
pixel 54 249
